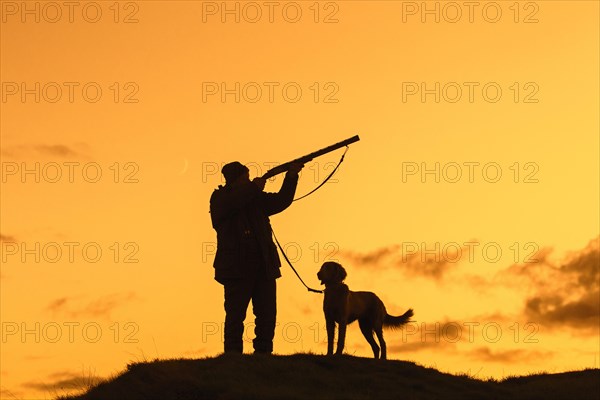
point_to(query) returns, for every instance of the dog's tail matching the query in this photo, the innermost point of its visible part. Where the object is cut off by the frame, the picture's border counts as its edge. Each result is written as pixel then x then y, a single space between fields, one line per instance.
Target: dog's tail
pixel 396 322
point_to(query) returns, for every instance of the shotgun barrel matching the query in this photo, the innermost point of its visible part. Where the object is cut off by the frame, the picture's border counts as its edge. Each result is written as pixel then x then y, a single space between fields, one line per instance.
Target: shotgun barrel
pixel 304 159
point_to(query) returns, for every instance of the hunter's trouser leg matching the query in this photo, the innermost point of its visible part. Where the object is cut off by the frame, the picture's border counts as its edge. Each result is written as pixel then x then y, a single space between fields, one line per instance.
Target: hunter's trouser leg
pixel 264 305
pixel 237 297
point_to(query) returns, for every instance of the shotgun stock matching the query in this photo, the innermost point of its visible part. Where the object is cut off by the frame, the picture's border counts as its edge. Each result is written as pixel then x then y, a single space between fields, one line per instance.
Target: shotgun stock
pixel 304 159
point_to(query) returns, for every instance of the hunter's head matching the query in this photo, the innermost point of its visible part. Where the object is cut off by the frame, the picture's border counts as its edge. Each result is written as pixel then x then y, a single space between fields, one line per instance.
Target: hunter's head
pixel 235 172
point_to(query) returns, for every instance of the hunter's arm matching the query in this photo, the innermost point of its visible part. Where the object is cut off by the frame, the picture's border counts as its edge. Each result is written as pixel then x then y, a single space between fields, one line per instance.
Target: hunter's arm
pixel 274 203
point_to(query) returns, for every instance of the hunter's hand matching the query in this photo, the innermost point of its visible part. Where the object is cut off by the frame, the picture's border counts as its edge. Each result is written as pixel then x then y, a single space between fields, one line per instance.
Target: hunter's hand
pixel 260 182
pixel 295 168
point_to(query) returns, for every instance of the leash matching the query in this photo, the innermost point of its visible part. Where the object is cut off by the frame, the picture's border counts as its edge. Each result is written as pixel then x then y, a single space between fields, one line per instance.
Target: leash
pixel 326 179
pixel 290 264
pixel 306 195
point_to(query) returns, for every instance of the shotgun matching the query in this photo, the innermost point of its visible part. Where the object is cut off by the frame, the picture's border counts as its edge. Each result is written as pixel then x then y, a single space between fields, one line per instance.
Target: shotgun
pixel 304 159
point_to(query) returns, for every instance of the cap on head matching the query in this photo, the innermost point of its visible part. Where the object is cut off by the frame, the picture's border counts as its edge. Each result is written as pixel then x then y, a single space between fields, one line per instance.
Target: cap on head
pixel 233 171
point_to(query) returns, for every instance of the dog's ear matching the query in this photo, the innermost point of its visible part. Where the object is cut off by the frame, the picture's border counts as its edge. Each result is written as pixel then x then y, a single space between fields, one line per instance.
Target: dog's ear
pixel 324 267
pixel 340 272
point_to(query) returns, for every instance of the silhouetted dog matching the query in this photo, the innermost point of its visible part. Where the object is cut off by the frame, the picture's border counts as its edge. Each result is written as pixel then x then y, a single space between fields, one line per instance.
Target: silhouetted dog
pixel 344 306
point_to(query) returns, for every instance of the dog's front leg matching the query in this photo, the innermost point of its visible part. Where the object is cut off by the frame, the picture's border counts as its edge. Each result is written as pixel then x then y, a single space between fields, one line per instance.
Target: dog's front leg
pixel 330 323
pixel 341 337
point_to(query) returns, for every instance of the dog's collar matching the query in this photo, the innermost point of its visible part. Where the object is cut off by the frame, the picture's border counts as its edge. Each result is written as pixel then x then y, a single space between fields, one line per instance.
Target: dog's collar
pixel 334 285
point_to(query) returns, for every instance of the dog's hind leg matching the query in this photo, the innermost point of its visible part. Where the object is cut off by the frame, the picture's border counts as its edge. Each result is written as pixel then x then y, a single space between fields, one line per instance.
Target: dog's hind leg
pixel 367 332
pixel 379 333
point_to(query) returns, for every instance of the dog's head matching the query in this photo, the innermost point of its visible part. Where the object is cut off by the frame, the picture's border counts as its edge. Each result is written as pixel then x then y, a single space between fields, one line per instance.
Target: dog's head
pixel 331 273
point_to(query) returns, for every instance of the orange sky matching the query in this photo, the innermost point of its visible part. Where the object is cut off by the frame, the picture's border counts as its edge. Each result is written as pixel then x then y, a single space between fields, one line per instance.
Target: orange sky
pixel 155 96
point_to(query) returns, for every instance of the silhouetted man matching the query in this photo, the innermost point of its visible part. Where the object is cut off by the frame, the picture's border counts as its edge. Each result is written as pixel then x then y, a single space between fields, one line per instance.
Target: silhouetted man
pixel 247 262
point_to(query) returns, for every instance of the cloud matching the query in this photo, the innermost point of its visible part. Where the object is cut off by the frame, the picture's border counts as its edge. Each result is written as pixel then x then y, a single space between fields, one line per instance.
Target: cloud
pixel 101 307
pixel 64 381
pixel 370 258
pixel 58 304
pixel 52 150
pixel 446 337
pixel 7 238
pixel 555 310
pixel 550 292
pixel 56 150
pixel 441 335
pixel 415 347
pixel 586 265
pixel 412 258
pixel 508 356
pixel 563 294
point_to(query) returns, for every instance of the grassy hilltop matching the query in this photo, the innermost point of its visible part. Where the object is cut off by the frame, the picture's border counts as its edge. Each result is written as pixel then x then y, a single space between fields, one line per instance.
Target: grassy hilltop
pixel 307 376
